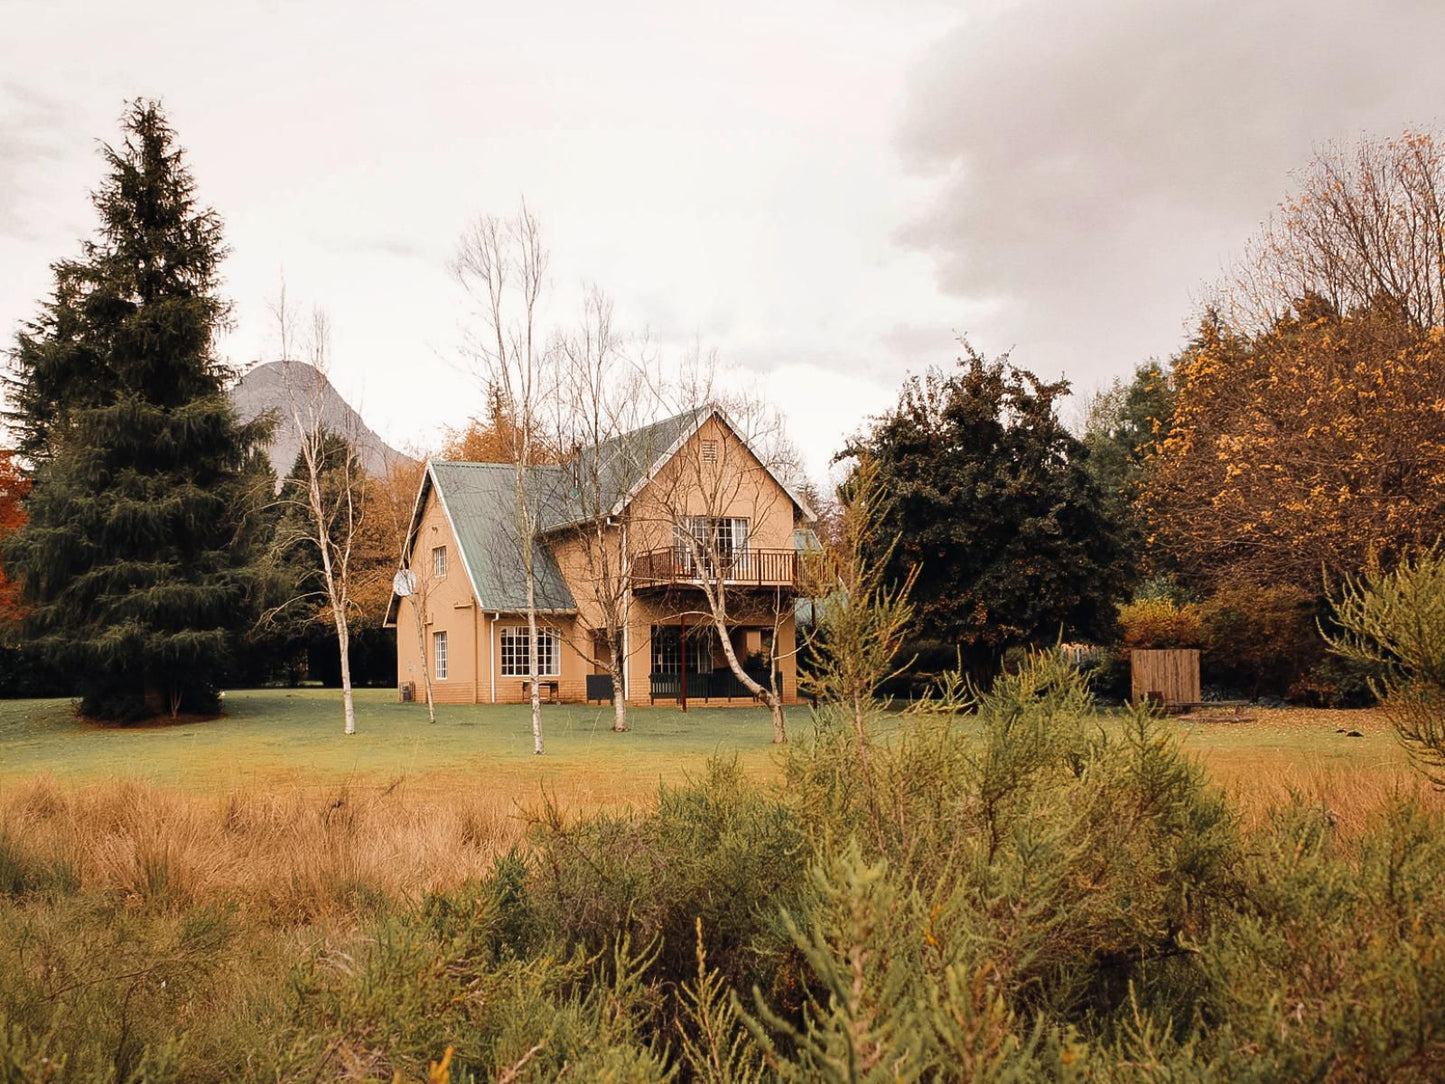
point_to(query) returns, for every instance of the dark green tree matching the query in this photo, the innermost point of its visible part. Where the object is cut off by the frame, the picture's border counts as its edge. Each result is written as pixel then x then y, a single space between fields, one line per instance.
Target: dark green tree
pixel 137 561
pixel 1123 425
pixel 992 500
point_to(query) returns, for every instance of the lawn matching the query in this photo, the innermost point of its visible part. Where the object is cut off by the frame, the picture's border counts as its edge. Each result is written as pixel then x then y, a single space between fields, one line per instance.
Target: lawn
pixel 292 738
pixel 279 739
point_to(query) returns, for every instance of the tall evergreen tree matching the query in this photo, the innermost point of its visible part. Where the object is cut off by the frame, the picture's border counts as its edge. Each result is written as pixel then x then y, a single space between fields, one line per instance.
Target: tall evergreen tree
pixel 136 561
pixel 992 503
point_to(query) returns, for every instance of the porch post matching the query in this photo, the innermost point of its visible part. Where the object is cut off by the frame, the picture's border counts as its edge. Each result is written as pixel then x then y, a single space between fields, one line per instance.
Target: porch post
pixel 682 651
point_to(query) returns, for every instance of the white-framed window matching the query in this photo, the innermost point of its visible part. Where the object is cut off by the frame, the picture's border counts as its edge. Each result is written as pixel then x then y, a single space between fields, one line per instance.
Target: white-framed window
pixel 709 451
pixel 439 654
pixel 514 651
pixel 439 562
pixel 669 649
pixel 725 536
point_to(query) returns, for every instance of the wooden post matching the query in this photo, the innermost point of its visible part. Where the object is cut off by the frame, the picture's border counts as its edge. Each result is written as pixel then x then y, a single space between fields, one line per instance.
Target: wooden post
pixel 682 654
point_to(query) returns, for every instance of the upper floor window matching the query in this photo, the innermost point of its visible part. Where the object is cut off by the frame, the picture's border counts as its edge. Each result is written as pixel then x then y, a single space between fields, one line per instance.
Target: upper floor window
pixel 709 451
pixel 707 538
pixel 514 652
pixel 439 562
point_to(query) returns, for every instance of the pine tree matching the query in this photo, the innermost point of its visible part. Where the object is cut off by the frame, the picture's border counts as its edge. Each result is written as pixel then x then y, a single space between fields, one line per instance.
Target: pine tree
pixel 136 561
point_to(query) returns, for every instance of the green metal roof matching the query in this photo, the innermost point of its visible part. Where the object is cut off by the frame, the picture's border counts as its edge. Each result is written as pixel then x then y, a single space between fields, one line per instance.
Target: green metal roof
pixel 480 503
pixel 598 480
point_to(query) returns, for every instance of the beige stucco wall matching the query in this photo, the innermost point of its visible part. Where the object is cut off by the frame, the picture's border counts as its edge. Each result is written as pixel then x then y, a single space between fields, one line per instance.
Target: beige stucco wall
pixel 450 608
pixel 737 485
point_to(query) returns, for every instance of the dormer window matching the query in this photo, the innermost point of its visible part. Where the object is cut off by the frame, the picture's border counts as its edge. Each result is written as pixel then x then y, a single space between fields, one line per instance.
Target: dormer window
pixel 709 451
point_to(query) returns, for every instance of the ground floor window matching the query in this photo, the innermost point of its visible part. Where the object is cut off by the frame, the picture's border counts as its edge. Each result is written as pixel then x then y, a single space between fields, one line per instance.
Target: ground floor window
pixel 514 652
pixel 439 651
pixel 667 649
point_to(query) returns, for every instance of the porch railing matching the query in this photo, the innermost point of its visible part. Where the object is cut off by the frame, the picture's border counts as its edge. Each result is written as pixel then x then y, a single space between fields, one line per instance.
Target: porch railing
pixel 750 567
pixel 717 685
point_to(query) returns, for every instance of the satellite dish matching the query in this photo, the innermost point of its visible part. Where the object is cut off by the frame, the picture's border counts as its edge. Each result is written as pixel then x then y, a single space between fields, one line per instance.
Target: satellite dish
pixel 404 583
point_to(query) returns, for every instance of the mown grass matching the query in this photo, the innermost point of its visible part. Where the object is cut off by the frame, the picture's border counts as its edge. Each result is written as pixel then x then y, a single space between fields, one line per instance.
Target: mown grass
pixel 285 739
pixel 281 742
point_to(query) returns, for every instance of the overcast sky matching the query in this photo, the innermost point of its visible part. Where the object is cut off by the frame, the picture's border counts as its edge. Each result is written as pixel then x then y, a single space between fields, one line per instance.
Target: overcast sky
pixel 825 194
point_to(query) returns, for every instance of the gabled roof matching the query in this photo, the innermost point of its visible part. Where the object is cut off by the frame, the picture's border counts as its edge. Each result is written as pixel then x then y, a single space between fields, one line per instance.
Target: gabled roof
pixel 628 462
pixel 478 500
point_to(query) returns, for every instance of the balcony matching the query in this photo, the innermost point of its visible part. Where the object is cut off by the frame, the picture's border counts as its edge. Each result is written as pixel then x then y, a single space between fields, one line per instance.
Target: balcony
pixel 747 568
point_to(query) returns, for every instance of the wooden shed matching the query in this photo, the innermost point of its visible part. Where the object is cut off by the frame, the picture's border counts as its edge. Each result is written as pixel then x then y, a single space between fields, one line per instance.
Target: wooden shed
pixel 1169 675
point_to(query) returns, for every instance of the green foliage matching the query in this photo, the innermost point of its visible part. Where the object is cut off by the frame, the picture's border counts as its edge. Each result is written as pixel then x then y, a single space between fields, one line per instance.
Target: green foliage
pixel 1015 889
pixel 136 561
pixel 1124 426
pixel 863 619
pixel 991 498
pixel 652 876
pixel 1395 621
pixel 713 1042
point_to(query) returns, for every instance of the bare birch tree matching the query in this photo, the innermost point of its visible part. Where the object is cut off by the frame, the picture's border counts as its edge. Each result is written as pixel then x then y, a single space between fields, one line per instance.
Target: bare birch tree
pixel 1366 225
pixel 602 402
pixel 502 265
pixel 714 505
pixel 330 492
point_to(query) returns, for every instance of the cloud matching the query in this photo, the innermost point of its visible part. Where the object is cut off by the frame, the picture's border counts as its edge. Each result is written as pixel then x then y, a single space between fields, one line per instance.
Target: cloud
pixel 1094 164
pixel 29 127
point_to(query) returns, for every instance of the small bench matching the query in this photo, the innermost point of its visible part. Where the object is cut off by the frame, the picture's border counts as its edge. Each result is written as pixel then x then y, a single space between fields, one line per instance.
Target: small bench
pixel 551 687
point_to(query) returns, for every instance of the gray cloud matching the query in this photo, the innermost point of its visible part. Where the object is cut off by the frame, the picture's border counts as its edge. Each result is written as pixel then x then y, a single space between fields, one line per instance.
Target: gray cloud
pixel 1096 163
pixel 30 123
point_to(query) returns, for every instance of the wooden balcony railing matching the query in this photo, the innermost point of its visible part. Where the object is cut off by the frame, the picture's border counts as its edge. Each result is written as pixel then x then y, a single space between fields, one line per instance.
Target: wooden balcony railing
pixel 748 568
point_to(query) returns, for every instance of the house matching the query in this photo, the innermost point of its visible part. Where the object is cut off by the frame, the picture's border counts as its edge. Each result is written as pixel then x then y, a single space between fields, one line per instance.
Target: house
pixel 684 506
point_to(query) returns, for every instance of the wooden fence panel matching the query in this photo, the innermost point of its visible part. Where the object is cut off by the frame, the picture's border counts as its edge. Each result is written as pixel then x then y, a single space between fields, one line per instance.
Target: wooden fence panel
pixel 1170 675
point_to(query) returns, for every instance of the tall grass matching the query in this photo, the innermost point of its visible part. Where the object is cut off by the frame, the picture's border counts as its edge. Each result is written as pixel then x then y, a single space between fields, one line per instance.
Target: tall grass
pixel 289 856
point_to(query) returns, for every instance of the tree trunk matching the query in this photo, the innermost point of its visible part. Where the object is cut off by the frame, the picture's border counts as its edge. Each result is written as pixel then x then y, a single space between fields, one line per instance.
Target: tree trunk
pixel 619 704
pixel 615 663
pixel 343 638
pixel 771 698
pixel 419 609
pixel 860 732
pixel 532 665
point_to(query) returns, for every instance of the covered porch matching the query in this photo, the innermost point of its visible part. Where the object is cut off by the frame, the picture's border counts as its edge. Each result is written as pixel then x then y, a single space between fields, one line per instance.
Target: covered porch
pixel 687 662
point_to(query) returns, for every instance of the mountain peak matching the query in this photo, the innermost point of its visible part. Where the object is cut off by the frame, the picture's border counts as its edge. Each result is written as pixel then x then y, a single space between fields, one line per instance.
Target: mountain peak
pixel 275 385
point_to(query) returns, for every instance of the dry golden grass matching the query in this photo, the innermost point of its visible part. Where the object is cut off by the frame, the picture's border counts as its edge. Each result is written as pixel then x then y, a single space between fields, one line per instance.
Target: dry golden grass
pixel 293 855
pixel 1345 762
pixel 299 850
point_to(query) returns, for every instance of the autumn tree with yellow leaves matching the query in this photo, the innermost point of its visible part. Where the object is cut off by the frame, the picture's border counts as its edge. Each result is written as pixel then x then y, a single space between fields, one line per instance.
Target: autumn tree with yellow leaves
pixel 1309 428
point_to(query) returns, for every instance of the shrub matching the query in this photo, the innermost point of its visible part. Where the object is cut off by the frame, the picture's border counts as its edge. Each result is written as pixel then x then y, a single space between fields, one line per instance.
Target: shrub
pixel 1395 621
pixel 1259 639
pixel 1160 622
pixel 1022 891
pixel 717 849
